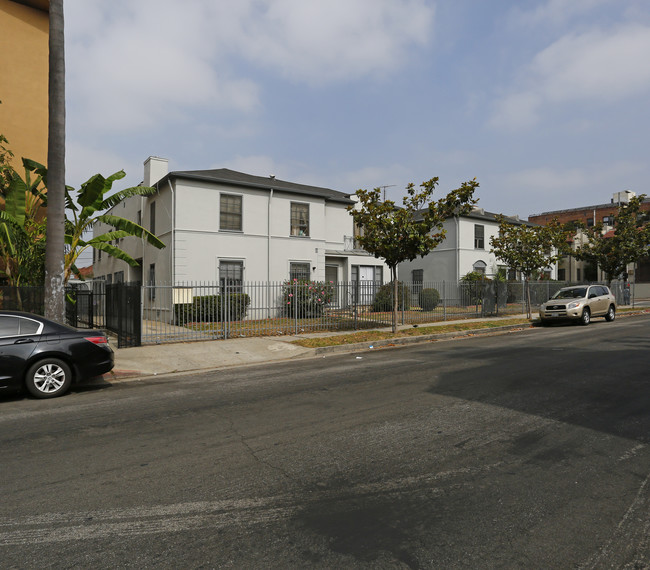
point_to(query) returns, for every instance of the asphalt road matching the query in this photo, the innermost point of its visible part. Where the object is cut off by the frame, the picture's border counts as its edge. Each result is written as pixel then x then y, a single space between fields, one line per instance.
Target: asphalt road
pixel 525 450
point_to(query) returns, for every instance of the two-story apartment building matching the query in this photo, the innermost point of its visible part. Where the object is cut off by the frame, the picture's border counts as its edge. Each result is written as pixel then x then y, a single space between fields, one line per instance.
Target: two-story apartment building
pixel 466 248
pixel 225 225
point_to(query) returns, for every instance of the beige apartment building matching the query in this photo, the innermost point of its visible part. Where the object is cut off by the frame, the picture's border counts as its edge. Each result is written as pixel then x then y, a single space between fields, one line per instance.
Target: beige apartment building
pixel 24 30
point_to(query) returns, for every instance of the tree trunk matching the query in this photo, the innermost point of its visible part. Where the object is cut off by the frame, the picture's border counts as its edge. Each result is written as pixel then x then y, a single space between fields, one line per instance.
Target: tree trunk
pixel 527 285
pixel 54 248
pixel 393 274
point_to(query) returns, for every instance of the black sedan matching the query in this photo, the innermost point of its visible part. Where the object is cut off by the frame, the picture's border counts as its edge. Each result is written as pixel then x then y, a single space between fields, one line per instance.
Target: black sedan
pixel 46 357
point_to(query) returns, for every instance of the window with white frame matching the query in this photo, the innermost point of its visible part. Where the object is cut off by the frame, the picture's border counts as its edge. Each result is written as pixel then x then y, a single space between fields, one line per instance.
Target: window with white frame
pixel 479 236
pixel 230 212
pixel 299 219
pixel 299 271
pixel 231 275
pixel 479 267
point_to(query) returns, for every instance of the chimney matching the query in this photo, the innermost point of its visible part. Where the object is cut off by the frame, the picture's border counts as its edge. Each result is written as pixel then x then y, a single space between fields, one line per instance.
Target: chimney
pixel 155 168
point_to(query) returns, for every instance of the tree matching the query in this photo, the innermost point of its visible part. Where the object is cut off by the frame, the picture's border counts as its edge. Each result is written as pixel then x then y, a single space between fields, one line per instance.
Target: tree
pixel 5 164
pixel 396 234
pixel 86 207
pixel 627 243
pixel 22 231
pixel 529 249
pixel 54 249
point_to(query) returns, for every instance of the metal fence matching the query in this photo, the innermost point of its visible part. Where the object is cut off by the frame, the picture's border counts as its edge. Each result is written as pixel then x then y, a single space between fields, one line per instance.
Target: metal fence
pixel 157 313
pixel 204 311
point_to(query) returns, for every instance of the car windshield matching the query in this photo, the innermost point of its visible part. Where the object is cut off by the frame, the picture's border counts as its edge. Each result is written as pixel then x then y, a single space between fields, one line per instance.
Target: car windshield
pixel 576 293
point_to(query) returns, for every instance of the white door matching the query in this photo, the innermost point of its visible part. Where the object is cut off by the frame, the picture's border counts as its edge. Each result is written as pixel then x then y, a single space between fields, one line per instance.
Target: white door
pixel 366 284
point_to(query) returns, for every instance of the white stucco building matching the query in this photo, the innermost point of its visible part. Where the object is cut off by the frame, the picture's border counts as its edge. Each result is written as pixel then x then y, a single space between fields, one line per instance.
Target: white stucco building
pixel 221 224
pixel 466 248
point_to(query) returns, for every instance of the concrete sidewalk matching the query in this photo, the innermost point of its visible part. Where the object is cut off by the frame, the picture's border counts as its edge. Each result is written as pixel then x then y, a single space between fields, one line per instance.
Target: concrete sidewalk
pixel 160 359
pixel 151 360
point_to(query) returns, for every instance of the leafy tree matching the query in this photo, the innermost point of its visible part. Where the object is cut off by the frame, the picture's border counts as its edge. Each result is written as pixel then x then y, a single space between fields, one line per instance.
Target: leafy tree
pixel 54 251
pixel 398 234
pixel 5 164
pixel 529 249
pixel 86 207
pixel 22 231
pixel 629 241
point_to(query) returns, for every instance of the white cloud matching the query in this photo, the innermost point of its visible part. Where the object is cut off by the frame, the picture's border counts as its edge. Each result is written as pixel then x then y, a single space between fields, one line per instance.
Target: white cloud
pixel 600 67
pixel 328 40
pixel 132 65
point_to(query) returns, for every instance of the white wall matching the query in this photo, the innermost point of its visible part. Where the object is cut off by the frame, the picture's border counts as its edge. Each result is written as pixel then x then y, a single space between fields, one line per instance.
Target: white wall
pixel 196 245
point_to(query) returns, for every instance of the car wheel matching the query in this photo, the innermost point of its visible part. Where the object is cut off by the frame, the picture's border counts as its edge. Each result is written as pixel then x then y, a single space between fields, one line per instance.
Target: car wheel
pixel 611 314
pixel 48 378
pixel 585 319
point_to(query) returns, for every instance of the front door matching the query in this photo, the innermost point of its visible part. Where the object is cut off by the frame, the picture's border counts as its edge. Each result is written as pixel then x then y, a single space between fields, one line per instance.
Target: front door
pixel 332 278
pixel 366 284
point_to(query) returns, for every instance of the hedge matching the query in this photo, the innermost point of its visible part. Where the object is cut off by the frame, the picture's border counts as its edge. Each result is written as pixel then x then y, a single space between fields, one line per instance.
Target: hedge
pixel 213 308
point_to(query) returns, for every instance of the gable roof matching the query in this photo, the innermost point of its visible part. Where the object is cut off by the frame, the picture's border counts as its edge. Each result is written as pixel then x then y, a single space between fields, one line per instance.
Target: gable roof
pixel 481 214
pixel 234 178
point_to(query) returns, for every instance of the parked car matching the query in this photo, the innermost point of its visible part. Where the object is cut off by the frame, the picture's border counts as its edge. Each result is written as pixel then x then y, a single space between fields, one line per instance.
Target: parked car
pixel 45 357
pixel 579 303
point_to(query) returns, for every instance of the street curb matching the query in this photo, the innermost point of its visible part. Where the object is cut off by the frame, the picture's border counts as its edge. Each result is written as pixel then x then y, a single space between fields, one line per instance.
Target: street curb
pixel 390 342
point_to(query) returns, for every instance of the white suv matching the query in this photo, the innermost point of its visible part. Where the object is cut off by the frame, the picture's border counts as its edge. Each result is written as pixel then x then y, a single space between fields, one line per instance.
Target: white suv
pixel 579 303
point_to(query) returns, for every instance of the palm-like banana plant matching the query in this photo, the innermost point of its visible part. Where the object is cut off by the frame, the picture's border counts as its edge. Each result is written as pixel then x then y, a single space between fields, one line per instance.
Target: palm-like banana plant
pixel 22 230
pixel 89 205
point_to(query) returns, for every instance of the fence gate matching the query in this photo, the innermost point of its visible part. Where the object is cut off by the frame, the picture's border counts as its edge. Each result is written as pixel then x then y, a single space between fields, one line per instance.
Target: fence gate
pixel 123 313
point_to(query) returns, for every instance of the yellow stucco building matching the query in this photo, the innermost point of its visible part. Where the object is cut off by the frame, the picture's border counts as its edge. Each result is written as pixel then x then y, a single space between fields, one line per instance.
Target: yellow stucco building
pixel 24 27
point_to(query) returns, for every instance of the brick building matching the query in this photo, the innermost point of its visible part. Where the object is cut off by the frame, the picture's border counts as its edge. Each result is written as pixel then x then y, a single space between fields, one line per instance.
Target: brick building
pixel 589 215
pixel 569 268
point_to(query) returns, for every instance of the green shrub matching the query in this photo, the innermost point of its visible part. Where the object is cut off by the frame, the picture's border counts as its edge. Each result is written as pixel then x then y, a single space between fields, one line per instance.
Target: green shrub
pixel 384 298
pixel 429 299
pixel 213 308
pixel 306 299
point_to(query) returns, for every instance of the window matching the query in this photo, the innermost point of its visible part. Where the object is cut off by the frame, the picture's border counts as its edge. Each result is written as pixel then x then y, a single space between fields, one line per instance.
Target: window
pixel 109 279
pixel 231 276
pixel 230 212
pixel 138 218
pixel 152 281
pixel 608 220
pixel 561 274
pixel 417 275
pixel 8 326
pixel 11 326
pixel 119 277
pixel 299 271
pixel 152 217
pixel 479 236
pixel 299 219
pixel 590 222
pixel 479 267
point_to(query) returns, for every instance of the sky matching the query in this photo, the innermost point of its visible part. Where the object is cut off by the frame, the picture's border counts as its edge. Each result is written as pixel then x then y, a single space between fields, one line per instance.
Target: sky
pixel 544 102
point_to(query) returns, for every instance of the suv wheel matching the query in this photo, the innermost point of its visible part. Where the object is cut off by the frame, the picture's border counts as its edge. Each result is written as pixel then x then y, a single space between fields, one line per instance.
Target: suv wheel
pixel 611 314
pixel 585 319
